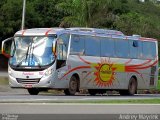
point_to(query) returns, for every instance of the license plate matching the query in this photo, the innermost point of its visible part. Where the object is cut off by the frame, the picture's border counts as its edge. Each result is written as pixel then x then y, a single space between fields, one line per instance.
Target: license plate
pixel 28 86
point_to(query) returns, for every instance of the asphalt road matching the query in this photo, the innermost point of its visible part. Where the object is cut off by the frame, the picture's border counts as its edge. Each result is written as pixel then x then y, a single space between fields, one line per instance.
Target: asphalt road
pixel 52 111
pixel 55 108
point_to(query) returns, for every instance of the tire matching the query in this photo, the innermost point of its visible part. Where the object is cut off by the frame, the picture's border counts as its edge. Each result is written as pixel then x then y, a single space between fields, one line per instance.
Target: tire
pixel 92 92
pixel 73 86
pixel 33 91
pixel 132 88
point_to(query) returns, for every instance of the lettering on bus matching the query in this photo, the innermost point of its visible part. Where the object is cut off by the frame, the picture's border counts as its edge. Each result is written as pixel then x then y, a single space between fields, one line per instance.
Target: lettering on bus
pixel 105 72
pixel 28 73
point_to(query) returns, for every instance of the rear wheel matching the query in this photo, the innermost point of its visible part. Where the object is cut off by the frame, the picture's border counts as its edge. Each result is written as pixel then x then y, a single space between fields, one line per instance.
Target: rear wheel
pixel 73 86
pixel 132 88
pixel 33 91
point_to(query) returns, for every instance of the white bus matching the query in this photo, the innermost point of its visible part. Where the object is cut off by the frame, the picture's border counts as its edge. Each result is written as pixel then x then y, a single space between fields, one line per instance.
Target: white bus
pixel 72 59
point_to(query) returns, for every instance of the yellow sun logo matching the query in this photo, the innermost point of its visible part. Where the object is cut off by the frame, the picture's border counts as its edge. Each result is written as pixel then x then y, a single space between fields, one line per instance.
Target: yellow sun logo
pixel 105 74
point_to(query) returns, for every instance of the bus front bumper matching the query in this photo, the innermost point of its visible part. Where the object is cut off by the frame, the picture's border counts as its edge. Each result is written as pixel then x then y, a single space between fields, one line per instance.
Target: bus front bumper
pixel 45 82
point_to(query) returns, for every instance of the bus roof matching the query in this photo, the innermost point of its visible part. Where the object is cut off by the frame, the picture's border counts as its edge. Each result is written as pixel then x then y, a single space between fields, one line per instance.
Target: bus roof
pixel 79 30
pixel 38 31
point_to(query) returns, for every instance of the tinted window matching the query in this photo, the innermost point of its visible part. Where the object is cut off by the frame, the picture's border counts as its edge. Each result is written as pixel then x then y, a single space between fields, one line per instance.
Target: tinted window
pixel 122 49
pixel 65 38
pixel 149 50
pixel 133 45
pixel 153 50
pixel 77 45
pixel 140 54
pixel 92 46
pixel 107 47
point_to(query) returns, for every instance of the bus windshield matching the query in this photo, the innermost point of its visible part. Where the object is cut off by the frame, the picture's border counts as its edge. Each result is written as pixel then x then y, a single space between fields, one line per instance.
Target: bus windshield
pixel 29 51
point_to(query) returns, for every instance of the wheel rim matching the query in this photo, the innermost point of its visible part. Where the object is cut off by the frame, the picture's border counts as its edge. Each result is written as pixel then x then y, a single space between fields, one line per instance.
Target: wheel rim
pixel 132 86
pixel 73 86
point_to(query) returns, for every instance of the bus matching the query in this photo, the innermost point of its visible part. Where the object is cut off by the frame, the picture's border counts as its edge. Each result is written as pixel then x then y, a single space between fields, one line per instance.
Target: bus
pixel 74 59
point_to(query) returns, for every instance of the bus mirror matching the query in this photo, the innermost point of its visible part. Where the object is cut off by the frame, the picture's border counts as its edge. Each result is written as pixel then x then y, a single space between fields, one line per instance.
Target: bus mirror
pixel 6 47
pixel 54 47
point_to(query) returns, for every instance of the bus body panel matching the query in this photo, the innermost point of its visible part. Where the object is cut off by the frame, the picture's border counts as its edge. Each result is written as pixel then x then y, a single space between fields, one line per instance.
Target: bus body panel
pixel 94 72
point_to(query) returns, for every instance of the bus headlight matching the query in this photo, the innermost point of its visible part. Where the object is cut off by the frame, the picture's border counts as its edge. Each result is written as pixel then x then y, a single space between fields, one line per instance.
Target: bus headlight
pixel 48 72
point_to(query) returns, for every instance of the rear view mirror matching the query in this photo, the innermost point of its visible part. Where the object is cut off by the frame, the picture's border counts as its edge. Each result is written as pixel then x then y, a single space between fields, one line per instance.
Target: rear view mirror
pixel 54 45
pixel 6 47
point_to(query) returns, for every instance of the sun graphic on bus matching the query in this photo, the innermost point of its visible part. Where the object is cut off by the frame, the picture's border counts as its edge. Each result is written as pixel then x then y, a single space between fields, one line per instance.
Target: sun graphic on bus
pixel 105 74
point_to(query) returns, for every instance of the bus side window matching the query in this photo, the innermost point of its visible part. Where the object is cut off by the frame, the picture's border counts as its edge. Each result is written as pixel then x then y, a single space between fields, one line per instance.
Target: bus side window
pixel 77 45
pixel 62 44
pixel 149 50
pixel 107 47
pixel 140 53
pixel 62 51
pixel 122 48
pixel 133 45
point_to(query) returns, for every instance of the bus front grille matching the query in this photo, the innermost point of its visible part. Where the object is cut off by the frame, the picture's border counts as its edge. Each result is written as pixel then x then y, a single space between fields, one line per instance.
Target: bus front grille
pixel 28 81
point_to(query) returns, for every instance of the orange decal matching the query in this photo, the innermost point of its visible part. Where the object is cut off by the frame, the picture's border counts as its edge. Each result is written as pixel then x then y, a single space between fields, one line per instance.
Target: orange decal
pixel 104 74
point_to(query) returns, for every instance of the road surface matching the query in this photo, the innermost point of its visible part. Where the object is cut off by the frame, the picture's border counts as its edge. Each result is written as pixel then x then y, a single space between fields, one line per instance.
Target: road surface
pixel 52 111
pixel 65 108
pixel 18 104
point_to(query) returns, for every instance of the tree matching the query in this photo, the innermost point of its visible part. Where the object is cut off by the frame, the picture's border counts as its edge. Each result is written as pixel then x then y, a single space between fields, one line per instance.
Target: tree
pixel 10 19
pixel 44 14
pixel 78 12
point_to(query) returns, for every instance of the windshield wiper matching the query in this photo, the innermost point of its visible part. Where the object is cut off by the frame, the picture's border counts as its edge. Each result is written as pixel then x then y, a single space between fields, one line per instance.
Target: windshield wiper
pixel 25 56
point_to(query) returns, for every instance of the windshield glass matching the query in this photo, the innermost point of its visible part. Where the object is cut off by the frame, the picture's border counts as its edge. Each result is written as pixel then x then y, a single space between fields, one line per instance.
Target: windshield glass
pixel 32 51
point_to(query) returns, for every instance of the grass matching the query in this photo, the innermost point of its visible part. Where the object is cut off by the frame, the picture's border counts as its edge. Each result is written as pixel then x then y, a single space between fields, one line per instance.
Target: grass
pixel 129 101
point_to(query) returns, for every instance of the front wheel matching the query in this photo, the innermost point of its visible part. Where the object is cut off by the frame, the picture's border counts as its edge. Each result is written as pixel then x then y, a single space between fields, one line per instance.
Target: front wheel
pixel 33 91
pixel 73 86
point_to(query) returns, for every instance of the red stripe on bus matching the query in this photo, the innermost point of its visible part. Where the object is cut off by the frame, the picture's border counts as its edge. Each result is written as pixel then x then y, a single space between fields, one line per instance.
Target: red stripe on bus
pixel 46 34
pixel 76 68
pixel 23 32
pixel 139 65
pixel 147 39
pixel 84 60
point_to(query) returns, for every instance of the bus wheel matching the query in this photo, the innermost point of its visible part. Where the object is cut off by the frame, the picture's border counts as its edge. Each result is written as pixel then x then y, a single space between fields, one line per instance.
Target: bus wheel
pixel 73 86
pixel 33 91
pixel 132 88
pixel 92 92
